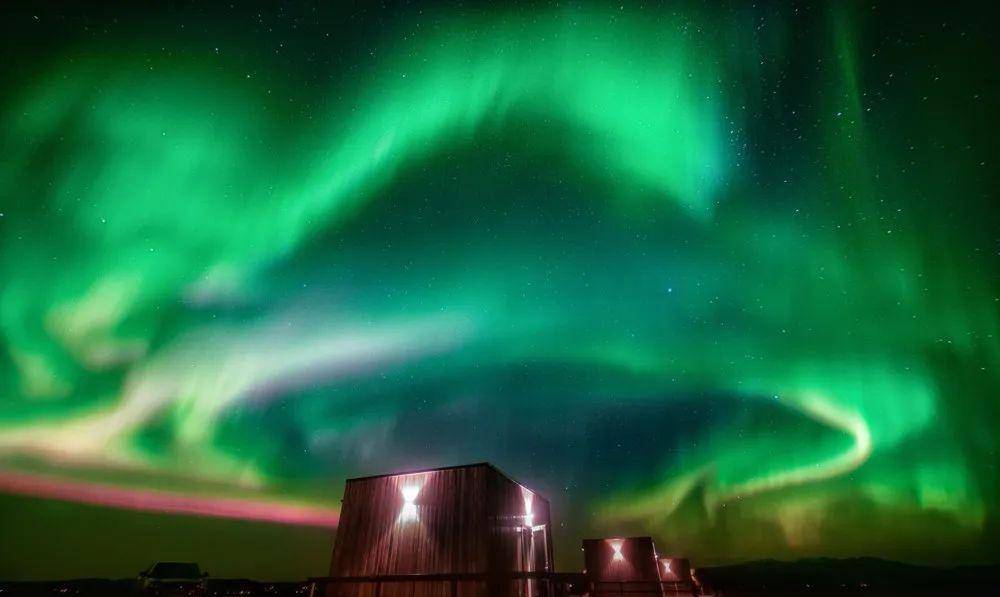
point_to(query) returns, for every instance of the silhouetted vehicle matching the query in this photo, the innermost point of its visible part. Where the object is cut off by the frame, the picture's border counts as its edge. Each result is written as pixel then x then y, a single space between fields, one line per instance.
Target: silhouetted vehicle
pixel 173 579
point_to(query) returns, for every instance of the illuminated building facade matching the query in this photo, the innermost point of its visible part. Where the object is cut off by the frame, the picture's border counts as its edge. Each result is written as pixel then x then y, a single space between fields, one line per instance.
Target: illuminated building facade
pixel 464 531
pixel 675 570
pixel 632 565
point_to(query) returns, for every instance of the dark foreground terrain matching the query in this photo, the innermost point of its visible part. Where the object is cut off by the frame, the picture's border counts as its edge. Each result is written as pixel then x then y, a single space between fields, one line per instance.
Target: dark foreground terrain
pixel 100 587
pixel 816 577
pixel 860 576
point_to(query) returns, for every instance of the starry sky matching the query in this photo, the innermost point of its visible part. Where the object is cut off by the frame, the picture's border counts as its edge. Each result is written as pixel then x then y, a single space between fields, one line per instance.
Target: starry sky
pixel 727 276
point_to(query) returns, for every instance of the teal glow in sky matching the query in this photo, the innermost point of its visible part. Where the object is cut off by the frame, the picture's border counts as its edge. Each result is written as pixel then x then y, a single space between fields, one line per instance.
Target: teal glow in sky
pixel 727 278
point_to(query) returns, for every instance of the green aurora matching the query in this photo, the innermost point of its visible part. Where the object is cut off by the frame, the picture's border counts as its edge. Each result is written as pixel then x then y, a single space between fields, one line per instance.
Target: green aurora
pixel 729 278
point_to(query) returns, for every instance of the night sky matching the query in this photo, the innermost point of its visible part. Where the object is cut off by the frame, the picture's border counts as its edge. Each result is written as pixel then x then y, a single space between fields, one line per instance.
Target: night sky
pixel 725 276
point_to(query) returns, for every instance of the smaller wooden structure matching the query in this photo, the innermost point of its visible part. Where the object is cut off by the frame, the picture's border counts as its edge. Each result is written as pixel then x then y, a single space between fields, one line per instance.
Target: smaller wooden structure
pixel 631 567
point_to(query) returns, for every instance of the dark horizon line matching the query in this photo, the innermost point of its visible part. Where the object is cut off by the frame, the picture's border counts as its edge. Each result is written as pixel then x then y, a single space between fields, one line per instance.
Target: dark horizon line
pixel 748 563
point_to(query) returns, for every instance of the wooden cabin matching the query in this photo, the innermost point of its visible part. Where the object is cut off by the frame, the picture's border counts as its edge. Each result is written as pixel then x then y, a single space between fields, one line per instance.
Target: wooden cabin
pixel 675 569
pixel 631 567
pixel 463 531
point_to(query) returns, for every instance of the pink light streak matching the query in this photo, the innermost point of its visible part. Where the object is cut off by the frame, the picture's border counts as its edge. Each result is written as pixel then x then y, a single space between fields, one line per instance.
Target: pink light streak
pixel 165 502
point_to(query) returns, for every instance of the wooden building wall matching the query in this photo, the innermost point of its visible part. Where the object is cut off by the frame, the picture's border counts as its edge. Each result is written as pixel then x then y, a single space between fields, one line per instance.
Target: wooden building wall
pixel 460 520
pixel 675 569
pixel 638 561
pixel 631 560
pixel 520 527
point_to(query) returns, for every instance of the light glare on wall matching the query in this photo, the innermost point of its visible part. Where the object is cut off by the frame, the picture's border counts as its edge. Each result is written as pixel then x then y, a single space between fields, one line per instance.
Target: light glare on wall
pixel 409 512
pixel 529 515
pixel 616 545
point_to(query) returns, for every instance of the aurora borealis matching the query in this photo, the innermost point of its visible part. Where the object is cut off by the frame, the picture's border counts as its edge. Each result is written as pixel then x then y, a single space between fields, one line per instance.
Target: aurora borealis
pixel 724 276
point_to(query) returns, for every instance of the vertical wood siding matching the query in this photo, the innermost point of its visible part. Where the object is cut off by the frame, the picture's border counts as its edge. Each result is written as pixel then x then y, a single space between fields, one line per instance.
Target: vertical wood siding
pixel 462 520
pixel 638 565
pixel 679 570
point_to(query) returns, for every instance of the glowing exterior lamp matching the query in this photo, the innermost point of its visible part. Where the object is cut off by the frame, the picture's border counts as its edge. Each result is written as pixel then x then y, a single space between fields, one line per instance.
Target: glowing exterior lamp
pixel 409 512
pixel 616 546
pixel 666 567
pixel 410 494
